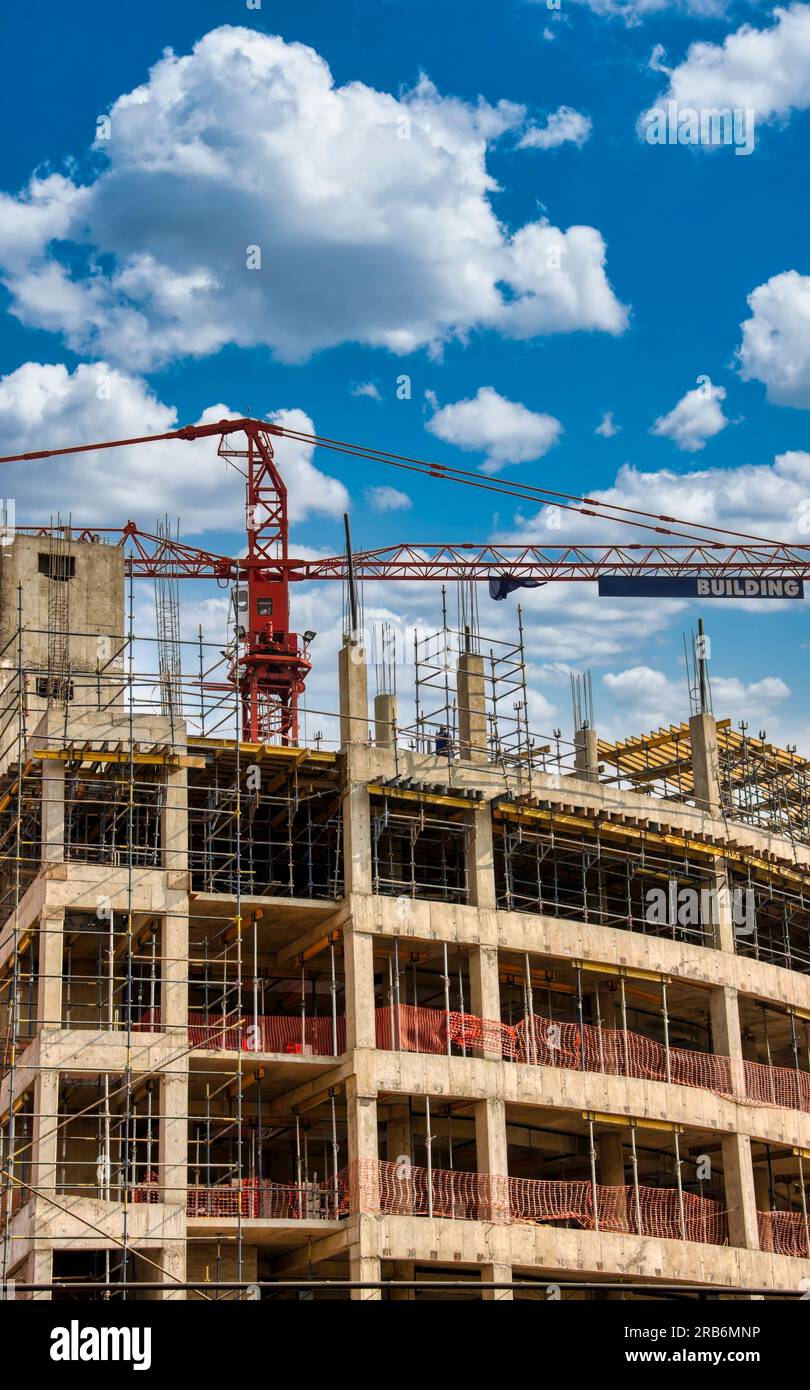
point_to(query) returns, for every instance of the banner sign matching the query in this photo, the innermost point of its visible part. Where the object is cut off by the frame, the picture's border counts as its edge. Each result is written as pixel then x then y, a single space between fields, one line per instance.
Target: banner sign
pixel 701 586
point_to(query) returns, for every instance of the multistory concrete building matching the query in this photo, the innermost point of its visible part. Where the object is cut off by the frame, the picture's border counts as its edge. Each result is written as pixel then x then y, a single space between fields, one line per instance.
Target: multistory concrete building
pixel 394 1016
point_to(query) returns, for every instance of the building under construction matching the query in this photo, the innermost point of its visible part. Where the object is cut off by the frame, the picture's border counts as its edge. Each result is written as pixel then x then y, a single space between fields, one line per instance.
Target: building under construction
pixel 432 1010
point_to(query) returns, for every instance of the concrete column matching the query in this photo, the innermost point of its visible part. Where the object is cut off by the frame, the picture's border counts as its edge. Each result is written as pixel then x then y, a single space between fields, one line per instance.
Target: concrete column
pixel 491 1150
pixel 50 939
pixel 398 1134
pixel 481 859
pixel 586 753
pixel 353 687
pixel 705 762
pixel 45 1131
pixel 761 1187
pixel 397 1145
pixel 741 1200
pixel 361 1113
pixel 490 1137
pixel 496 1274
pixel 174 823
pixel 609 1007
pixel 610 1155
pixel 492 1158
pixel 385 719
pixel 353 736
pixel 724 1016
pixel 611 1160
pixel 738 1172
pixel 725 932
pixel 358 965
pixel 362 1123
pixel 174 965
pixel 364 1266
pixel 53 811
pixel 38 1269
pixel 172 1260
pixel 472 713
pixel 173 1137
pixel 356 812
pixel 485 992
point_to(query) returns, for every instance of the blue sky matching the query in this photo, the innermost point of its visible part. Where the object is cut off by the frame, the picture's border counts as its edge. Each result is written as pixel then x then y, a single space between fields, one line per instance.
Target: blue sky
pixel 364 285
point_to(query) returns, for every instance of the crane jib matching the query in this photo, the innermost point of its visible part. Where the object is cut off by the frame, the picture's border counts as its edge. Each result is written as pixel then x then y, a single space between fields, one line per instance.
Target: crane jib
pixel 700 586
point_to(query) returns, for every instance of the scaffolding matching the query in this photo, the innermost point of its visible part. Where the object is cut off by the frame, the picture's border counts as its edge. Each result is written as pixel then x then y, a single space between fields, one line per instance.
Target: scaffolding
pixel 290 820
pixel 761 785
pixel 511 745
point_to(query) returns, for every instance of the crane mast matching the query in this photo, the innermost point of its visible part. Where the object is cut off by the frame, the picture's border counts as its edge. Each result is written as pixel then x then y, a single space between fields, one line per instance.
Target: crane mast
pixel 270 665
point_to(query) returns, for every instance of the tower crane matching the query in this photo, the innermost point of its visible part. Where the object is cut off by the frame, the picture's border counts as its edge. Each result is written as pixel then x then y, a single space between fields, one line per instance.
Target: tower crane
pixel 272 661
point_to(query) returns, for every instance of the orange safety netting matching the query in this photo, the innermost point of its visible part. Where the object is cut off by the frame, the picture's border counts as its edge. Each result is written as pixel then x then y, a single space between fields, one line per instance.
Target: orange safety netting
pixel 264 1201
pixel 544 1042
pixel 778 1086
pixel 402 1190
pixel 535 1040
pixel 267 1033
pixel 231 1032
pixel 784 1233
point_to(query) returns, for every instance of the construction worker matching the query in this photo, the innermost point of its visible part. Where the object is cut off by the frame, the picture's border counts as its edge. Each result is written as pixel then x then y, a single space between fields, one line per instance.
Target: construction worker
pixel 443 742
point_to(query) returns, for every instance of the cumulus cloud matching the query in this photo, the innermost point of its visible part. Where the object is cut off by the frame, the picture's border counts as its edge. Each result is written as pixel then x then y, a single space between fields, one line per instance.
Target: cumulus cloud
pixel 646 697
pixel 762 70
pixel 506 431
pixel 246 198
pixel 564 126
pixel 698 416
pixel 608 428
pixel 771 500
pixel 775 346
pixel 367 388
pixel 47 404
pixel 635 12
pixel 387 499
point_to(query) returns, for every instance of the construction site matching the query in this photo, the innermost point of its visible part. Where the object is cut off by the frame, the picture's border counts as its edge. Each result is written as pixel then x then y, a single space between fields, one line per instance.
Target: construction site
pixel 432 1008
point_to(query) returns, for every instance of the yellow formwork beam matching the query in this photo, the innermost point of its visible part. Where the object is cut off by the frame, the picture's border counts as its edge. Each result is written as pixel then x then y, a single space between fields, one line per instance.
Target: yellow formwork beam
pixel 653 837
pixel 90 755
pixel 434 798
pixel 272 751
pixel 631 1122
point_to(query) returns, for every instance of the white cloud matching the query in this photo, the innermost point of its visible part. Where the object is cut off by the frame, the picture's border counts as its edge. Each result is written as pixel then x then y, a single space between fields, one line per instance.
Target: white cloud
pixel 608 428
pixel 371 215
pixel 387 499
pixel 506 431
pixel 367 388
pixel 756 700
pixel 656 60
pixel 46 405
pixel 645 698
pixel 771 500
pixel 775 345
pixel 764 70
pixel 634 12
pixel 698 416
pixel 564 126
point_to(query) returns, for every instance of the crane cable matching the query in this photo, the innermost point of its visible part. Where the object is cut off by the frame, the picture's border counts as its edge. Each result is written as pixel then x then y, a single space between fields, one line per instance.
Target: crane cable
pixel 525 491
pixel 566 501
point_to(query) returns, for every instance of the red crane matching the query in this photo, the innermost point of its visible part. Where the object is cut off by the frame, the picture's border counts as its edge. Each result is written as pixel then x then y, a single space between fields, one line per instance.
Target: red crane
pixel 272 663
